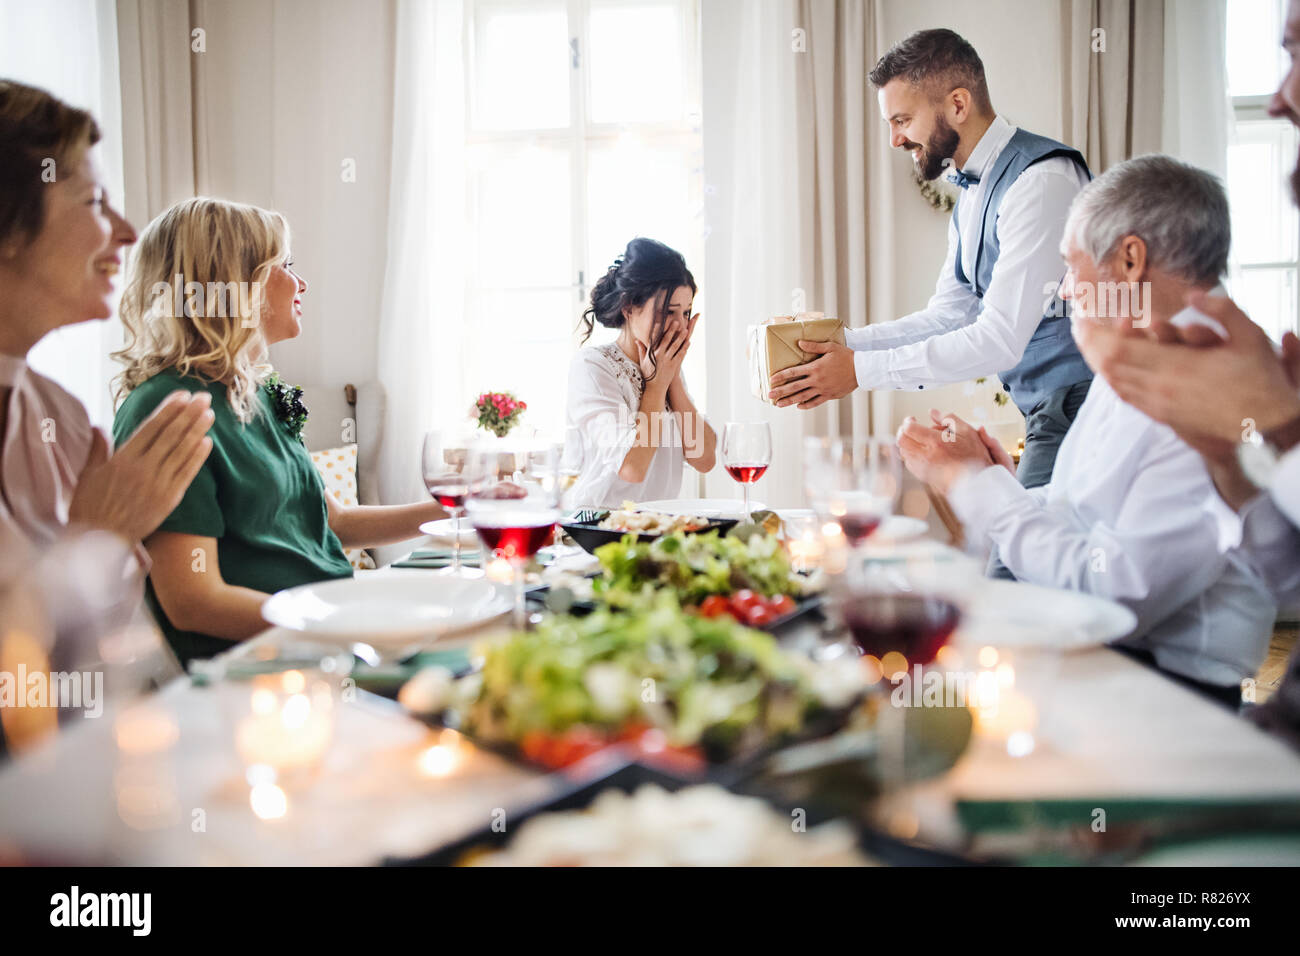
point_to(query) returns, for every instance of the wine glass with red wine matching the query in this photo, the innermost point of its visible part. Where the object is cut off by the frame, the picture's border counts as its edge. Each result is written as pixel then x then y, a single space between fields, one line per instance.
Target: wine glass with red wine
pixel 443 463
pixel 893 620
pixel 899 613
pixel 746 453
pixel 514 503
pixel 853 482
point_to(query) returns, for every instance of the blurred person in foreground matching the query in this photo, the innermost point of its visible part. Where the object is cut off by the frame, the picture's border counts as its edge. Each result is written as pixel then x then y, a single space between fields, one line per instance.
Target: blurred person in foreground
pixel 60 252
pixel 1234 398
pixel 1124 515
pixel 61 484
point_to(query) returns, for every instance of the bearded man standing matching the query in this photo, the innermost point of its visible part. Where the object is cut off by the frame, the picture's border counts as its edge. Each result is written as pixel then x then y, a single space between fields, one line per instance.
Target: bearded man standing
pixel 995 310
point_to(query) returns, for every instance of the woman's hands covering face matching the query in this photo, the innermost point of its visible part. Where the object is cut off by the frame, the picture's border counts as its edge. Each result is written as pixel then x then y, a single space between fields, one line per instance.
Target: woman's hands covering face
pixel 668 352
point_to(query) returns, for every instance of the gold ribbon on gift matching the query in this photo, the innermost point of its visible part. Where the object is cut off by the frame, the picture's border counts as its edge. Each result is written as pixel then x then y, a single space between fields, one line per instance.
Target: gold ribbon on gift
pixel 774 346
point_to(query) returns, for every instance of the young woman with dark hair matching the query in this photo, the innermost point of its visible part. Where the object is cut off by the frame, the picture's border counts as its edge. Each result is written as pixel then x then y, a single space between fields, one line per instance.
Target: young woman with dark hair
pixel 628 399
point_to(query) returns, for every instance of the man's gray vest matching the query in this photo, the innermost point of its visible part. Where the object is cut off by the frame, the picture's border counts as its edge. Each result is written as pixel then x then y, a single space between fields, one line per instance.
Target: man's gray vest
pixel 1051 360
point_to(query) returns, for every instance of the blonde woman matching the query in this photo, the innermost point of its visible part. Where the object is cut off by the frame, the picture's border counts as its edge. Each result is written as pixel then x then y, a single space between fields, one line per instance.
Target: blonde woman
pixel 211 287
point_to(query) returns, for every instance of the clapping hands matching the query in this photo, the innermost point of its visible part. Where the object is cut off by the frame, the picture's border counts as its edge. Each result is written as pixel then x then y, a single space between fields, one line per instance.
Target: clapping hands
pixel 132 490
pixel 940 452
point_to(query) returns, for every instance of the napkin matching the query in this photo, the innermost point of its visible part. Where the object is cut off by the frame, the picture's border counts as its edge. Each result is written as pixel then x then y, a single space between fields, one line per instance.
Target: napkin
pixel 469 557
pixel 774 346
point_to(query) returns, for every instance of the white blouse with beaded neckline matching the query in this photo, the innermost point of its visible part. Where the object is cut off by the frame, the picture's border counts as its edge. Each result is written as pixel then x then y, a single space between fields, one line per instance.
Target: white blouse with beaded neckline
pixel 605 388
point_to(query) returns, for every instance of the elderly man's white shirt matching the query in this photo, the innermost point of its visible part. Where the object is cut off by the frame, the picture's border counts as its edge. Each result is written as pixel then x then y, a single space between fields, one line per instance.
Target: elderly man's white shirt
pixel 1125 517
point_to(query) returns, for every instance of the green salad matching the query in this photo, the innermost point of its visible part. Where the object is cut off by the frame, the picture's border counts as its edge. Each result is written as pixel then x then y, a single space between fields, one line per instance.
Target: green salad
pixel 694 566
pixel 701 681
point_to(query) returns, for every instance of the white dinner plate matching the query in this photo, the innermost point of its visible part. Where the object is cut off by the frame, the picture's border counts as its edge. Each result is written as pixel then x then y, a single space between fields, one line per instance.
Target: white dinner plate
pixel 1014 614
pixel 446 528
pixel 892 530
pixel 703 507
pixel 387 609
pixel 896 528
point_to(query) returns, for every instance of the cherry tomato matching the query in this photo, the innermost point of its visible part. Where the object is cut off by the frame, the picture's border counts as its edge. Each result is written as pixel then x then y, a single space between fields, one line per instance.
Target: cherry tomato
pixel 536 745
pixel 744 599
pixel 759 615
pixel 651 740
pixel 713 606
pixel 782 605
pixel 576 743
pixel 688 761
pixel 632 731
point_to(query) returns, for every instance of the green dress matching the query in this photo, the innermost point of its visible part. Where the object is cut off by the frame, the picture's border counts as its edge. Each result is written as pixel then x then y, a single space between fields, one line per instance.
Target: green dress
pixel 258 494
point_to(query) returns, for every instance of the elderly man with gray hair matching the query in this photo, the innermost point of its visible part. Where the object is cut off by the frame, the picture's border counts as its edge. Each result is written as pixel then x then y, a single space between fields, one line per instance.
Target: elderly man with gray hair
pixel 1125 515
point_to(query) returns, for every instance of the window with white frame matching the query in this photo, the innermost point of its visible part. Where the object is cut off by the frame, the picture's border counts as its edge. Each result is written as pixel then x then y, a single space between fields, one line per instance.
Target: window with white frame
pixel 583 131
pixel 1261 155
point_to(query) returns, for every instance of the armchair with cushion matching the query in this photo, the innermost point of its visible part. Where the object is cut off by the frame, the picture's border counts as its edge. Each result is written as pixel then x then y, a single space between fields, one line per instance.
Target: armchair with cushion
pixel 339 416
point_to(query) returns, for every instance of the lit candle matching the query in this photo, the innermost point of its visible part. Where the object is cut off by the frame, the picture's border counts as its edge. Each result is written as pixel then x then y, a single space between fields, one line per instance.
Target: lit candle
pixel 805 551
pixel 442 759
pixel 500 571
pixel 289 725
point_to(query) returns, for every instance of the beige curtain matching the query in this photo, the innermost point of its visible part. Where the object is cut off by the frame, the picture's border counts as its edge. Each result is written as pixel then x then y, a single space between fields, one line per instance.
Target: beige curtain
pixel 155 62
pixel 843 159
pixel 1112 59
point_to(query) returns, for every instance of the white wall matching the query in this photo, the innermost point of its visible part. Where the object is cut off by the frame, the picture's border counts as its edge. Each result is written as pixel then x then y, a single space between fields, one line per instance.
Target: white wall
pixel 287 91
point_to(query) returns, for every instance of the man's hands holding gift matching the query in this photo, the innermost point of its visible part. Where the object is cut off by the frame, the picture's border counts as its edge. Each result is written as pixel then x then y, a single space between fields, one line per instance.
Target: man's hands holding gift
pixel 941 452
pixel 830 375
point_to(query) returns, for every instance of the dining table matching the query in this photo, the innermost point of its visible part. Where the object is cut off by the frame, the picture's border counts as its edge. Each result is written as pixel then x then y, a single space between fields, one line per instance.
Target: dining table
pixel 157 779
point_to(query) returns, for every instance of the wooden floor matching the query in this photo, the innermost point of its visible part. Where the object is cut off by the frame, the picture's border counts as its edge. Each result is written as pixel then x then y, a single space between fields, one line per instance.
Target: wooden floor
pixel 1274 666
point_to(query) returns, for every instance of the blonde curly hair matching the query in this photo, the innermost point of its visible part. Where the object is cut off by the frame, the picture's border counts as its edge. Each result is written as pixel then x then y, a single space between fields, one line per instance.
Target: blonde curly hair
pixel 195 295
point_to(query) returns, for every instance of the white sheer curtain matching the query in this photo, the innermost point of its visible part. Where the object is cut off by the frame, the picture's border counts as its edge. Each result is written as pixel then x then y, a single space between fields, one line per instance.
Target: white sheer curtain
pixel 793 151
pixel 422 317
pixel 754 259
pixel 69 47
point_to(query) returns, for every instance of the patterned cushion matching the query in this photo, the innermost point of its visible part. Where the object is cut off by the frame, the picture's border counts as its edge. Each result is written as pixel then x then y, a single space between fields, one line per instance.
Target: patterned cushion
pixel 338 469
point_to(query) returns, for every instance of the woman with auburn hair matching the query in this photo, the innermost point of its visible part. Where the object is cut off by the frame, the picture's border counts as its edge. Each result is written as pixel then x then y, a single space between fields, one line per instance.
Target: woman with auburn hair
pixel 60 244
pixel 210 288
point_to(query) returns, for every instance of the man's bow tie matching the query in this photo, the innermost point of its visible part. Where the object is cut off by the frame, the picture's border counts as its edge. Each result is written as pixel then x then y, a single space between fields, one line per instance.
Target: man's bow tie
pixel 965 180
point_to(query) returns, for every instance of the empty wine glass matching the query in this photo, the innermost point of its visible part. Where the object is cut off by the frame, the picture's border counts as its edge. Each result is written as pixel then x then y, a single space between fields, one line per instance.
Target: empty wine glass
pixel 571 460
pixel 746 453
pixel 514 503
pixel 853 482
pixel 443 464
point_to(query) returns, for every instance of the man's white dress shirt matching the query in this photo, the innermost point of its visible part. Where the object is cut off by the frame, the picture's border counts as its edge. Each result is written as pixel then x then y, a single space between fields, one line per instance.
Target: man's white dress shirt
pixel 959 336
pixel 1125 517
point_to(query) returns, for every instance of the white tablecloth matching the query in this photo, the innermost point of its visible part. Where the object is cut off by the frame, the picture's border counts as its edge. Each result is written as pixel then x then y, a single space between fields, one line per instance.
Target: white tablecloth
pixel 1108 728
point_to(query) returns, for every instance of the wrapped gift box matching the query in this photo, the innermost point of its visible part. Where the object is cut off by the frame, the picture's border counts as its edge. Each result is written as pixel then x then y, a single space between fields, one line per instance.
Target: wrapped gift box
pixel 774 346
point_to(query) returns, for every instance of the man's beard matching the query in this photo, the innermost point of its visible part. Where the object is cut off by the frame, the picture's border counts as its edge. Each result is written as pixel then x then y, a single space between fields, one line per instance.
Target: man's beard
pixel 938 151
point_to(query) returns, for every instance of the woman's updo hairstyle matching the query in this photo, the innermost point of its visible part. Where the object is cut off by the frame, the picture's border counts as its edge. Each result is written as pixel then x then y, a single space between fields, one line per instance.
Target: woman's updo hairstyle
pixel 644 270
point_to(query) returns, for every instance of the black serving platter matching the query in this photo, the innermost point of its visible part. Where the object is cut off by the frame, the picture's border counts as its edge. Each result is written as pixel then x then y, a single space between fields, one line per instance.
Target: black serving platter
pixel 627 777
pixel 726 767
pixel 584 528
pixel 808 610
